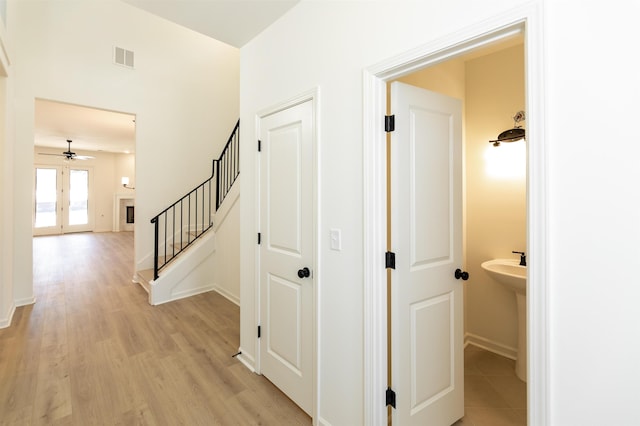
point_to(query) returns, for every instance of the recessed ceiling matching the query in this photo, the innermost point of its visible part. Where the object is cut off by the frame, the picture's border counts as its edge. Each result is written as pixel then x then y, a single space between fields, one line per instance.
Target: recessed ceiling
pixel 234 22
pixel 90 129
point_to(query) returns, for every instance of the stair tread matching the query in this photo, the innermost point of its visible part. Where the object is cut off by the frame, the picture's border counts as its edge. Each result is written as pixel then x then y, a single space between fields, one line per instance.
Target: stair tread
pixel 146 274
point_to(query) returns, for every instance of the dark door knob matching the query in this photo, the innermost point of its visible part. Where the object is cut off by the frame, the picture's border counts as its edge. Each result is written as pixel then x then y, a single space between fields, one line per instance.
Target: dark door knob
pixel 304 272
pixel 461 274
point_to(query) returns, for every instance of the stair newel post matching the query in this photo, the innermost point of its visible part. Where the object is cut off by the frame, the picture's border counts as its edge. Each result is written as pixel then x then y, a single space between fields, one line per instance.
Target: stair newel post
pixel 203 202
pixel 217 172
pixel 210 200
pixel 155 247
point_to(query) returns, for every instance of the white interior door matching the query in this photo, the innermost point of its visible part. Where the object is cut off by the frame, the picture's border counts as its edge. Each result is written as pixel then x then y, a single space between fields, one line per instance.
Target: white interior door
pixel 62 200
pixel 426 236
pixel 286 249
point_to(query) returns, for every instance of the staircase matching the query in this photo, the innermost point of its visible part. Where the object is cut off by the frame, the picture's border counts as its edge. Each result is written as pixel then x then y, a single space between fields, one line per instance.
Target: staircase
pixel 189 223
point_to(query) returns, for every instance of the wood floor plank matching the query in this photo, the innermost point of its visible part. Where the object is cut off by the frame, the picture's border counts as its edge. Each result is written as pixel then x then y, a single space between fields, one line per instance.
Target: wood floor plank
pixel 92 351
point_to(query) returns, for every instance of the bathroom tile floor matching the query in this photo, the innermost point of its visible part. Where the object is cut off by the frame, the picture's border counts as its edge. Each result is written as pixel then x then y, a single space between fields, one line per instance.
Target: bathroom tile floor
pixel 494 396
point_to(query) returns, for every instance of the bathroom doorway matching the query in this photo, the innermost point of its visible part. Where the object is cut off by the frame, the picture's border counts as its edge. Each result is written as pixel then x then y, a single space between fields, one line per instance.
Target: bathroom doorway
pixel 485 34
pixel 490 85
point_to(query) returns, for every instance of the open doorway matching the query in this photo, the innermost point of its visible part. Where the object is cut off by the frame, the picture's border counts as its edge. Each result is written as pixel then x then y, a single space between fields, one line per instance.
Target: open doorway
pixel 488 83
pixel 82 157
pixel 523 21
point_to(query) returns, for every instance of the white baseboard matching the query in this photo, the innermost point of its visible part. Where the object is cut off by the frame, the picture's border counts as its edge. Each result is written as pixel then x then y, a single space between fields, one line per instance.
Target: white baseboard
pixel 26 301
pixel 490 345
pixel 246 360
pixel 186 293
pixel 6 322
pixel 323 422
pixel 226 294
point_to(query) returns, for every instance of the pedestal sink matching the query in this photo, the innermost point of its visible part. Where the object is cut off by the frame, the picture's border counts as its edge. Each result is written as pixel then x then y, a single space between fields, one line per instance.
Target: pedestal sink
pixel 509 273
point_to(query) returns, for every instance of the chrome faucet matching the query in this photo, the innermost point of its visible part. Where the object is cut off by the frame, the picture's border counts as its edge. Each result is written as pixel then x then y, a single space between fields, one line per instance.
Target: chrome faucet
pixel 523 257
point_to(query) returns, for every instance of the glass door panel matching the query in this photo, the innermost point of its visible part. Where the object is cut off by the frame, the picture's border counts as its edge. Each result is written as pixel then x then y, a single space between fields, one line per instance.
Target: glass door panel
pixel 46 203
pixel 77 216
pixel 78 197
pixel 46 197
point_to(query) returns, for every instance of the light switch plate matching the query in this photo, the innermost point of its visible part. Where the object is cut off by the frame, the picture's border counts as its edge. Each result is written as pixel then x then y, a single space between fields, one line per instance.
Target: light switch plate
pixel 335 235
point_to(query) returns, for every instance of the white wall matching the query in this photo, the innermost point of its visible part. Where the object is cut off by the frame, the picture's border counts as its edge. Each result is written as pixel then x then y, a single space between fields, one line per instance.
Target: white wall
pixel 183 90
pixel 496 194
pixel 592 90
pixel 592 172
pixel 6 182
pixel 226 270
pixel 125 165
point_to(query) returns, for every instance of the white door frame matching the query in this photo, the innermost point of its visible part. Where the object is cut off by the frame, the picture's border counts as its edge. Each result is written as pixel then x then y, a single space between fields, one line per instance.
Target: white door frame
pixel 313 96
pixel 527 20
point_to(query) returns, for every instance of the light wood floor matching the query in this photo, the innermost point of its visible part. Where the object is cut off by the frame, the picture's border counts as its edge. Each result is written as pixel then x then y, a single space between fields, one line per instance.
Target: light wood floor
pixel 92 351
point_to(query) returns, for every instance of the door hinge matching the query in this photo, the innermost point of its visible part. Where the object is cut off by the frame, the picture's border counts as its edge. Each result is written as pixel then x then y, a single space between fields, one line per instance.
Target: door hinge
pixel 390 260
pixel 389 123
pixel 391 398
pixel 259 238
pixel 259 145
pixel 259 332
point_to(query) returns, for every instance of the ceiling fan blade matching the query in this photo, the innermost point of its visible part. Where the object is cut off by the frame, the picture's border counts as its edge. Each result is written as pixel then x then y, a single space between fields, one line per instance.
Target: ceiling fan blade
pixel 56 155
pixel 83 157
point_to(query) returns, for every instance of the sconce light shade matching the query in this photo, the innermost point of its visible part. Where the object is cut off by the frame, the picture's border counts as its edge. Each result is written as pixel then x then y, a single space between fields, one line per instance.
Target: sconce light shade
pixel 512 135
pixel 125 182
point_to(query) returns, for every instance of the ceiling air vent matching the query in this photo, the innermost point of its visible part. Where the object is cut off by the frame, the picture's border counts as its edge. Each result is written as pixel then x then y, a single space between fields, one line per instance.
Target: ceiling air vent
pixel 123 57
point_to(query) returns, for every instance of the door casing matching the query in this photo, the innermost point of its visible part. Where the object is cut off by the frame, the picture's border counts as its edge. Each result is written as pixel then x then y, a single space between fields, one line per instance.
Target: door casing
pixel 527 20
pixel 314 97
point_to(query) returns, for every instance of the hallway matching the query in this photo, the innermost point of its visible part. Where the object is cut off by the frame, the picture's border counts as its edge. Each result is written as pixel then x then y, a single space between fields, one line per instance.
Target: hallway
pixel 93 351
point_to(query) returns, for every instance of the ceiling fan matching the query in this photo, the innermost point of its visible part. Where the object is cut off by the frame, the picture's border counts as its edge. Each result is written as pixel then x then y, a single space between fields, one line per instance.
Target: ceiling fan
pixel 70 155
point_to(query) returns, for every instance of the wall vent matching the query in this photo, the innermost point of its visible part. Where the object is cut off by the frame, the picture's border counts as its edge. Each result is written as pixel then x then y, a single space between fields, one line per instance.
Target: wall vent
pixel 123 57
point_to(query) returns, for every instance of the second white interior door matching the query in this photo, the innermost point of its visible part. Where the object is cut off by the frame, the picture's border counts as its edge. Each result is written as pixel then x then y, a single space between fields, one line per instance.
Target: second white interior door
pixel 287 252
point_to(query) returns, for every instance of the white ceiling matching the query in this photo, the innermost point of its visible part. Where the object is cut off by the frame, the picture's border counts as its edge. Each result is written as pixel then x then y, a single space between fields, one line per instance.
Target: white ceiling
pixel 89 129
pixel 234 22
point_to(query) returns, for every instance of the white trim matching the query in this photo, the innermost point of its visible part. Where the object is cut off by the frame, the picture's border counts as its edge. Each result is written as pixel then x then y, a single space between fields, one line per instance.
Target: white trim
pixel 6 322
pixel 24 302
pixel 247 360
pixel 183 294
pixel 312 95
pixel 375 244
pixel 491 346
pixel 323 422
pixel 527 18
pixel 226 294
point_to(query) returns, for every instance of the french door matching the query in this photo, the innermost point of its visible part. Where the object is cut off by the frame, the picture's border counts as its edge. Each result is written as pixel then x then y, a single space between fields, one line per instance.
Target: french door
pixel 62 200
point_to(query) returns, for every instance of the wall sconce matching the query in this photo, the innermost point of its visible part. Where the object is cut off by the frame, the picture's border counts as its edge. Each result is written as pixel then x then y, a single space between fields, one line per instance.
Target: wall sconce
pixel 125 182
pixel 512 135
